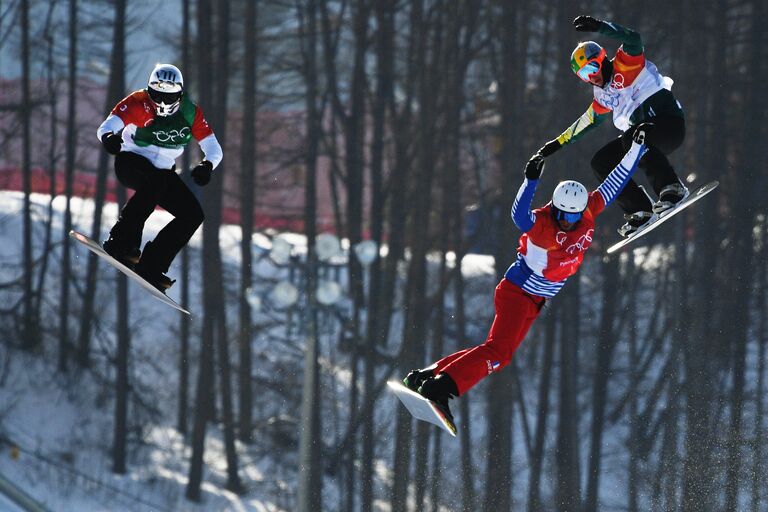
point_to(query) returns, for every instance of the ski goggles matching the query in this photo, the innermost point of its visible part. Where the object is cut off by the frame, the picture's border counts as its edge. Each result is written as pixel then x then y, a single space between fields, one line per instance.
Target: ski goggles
pixel 589 70
pixel 165 98
pixel 567 217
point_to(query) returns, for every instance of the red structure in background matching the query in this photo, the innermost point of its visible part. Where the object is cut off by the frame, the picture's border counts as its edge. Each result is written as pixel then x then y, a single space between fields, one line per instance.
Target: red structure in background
pixel 279 139
pixel 84 185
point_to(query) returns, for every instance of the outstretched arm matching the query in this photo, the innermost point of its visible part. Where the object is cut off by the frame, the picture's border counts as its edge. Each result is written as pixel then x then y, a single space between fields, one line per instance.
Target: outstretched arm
pixel 619 177
pixel 593 117
pixel 588 120
pixel 522 215
pixel 631 40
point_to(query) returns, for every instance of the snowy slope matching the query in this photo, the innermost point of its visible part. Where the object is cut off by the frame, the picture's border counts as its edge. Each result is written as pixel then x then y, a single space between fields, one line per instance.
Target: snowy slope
pixel 63 423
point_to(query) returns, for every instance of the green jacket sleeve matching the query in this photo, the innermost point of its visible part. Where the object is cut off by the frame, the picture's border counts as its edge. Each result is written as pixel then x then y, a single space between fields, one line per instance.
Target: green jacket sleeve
pixel 633 43
pixel 588 120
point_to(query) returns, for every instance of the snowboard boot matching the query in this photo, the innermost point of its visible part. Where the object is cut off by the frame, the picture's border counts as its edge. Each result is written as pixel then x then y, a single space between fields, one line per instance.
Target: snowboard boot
pixel 635 221
pixel 124 253
pixel 416 378
pixel 154 277
pixel 149 270
pixel 439 390
pixel 669 197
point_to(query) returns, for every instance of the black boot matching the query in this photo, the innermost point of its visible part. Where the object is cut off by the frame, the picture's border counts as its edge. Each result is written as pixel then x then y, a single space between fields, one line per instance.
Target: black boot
pixel 439 390
pixel 150 271
pixel 416 378
pixel 635 221
pixel 126 254
pixel 670 196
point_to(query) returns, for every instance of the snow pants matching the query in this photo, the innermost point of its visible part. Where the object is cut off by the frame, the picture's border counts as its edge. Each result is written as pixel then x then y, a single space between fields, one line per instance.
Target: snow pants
pixel 155 187
pixel 666 136
pixel 516 310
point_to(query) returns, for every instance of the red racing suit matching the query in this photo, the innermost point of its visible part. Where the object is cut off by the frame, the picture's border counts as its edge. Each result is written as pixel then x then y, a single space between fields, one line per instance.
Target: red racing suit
pixel 546 257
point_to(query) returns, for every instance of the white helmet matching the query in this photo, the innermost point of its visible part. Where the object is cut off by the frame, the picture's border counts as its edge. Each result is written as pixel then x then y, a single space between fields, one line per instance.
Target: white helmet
pixel 165 87
pixel 570 197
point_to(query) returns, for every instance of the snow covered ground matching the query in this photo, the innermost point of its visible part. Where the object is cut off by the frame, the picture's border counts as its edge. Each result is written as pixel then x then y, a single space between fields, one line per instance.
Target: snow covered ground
pixel 63 422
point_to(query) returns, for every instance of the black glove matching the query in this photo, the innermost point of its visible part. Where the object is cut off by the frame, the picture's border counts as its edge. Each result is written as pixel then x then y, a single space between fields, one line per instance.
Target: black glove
pixel 201 173
pixel 640 132
pixel 112 142
pixel 587 24
pixel 534 167
pixel 549 148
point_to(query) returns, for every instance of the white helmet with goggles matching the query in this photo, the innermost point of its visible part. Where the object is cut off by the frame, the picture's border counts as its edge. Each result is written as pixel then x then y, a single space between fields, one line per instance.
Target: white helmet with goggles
pixel 165 88
pixel 570 197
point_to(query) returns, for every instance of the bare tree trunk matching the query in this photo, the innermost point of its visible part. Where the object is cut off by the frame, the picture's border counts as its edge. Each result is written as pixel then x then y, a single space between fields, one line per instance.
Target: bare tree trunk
pixel 233 478
pixel 512 31
pixel 414 326
pixel 634 427
pixel 384 12
pixel 700 355
pixel 115 91
pixel 71 150
pixel 399 209
pixel 123 336
pixel 607 340
pixel 743 257
pixel 468 498
pixel 310 444
pixel 568 493
pixel 53 158
pixel 30 330
pixel 184 329
pixel 545 382
pixel 121 362
pixel 204 394
pixel 211 236
pixel 460 15
pixel 354 127
pixel 758 465
pixel 248 181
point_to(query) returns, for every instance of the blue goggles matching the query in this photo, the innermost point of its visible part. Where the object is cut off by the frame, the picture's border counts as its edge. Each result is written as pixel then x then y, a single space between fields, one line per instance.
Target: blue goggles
pixel 589 69
pixel 568 217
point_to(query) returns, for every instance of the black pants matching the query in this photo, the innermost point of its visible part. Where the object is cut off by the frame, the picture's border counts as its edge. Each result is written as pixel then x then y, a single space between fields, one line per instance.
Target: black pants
pixel 666 136
pixel 155 187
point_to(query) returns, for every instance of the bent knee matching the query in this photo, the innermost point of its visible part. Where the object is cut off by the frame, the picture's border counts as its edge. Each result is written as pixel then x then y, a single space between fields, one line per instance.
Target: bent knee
pixel 198 216
pixel 500 351
pixel 193 218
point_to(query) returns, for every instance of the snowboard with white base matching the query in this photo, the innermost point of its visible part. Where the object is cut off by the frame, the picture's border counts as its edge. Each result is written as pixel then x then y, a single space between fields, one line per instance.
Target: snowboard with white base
pixel 421 408
pixel 96 248
pixel 665 216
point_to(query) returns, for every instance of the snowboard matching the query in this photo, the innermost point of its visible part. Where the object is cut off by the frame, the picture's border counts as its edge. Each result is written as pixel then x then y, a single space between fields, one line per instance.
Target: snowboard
pixel 421 408
pixel 665 216
pixel 96 248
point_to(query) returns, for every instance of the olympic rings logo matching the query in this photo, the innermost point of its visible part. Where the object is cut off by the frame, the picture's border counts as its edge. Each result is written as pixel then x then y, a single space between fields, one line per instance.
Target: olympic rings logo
pixel 172 136
pixel 618 81
pixel 582 243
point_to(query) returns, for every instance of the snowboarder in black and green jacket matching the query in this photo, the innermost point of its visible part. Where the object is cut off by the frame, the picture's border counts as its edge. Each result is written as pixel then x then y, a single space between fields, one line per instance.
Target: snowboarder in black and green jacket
pixel 633 89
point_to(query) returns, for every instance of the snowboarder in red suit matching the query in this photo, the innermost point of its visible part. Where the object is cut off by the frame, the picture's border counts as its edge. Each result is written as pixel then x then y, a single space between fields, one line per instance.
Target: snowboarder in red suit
pixel 551 249
pixel 147 131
